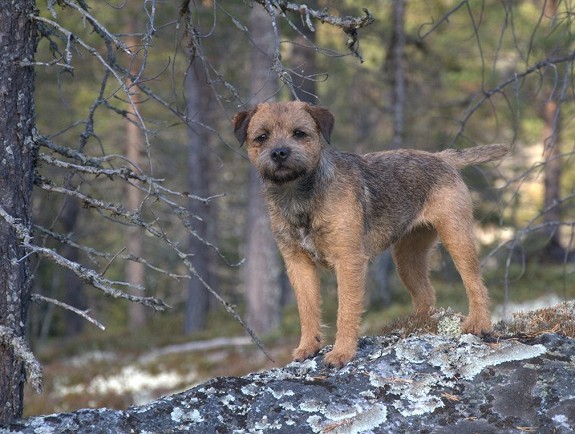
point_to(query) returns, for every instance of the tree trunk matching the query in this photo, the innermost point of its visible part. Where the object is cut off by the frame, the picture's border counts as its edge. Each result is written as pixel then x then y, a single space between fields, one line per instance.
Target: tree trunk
pixel 383 264
pixel 134 271
pixel 263 289
pixel 17 157
pixel 199 172
pixel 397 49
pixel 73 287
pixel 553 251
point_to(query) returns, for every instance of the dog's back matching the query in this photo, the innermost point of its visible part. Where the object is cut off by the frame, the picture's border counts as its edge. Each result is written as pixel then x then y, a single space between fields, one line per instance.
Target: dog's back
pixel 396 185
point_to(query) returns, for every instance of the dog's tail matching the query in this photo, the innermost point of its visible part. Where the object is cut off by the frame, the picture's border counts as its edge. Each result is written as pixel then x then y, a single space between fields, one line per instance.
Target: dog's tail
pixel 476 155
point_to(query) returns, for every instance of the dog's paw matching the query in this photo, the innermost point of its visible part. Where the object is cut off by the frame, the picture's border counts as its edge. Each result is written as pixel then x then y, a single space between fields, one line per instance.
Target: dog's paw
pixel 337 357
pixel 476 326
pixel 305 352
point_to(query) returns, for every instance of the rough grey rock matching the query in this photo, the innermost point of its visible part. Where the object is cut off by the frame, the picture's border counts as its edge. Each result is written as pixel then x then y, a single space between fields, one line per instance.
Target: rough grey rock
pixel 422 384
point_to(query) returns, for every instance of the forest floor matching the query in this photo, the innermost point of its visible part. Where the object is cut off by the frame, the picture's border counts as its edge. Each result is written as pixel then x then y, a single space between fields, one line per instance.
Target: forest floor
pixel 116 370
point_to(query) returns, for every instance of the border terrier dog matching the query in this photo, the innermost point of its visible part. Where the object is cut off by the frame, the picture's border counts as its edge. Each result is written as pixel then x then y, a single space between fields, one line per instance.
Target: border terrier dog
pixel 339 210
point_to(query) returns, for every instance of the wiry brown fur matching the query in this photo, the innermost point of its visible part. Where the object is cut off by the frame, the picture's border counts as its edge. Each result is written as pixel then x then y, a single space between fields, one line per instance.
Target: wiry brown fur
pixel 338 210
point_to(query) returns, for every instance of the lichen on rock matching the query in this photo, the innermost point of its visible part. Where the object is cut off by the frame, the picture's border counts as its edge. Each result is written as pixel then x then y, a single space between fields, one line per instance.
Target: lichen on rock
pixel 398 383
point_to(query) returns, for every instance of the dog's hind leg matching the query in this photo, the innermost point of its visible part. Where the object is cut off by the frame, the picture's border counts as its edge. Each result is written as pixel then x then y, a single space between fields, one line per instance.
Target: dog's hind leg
pixel 453 221
pixel 411 257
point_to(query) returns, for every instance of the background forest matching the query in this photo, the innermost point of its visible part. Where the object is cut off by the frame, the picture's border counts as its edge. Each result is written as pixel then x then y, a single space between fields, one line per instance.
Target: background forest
pixel 142 181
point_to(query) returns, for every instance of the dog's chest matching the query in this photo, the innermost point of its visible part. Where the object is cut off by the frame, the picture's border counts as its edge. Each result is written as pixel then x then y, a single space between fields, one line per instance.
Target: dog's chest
pixel 306 236
pixel 306 241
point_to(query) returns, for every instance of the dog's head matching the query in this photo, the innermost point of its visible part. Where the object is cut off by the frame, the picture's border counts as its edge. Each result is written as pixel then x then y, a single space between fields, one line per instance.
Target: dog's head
pixel 284 140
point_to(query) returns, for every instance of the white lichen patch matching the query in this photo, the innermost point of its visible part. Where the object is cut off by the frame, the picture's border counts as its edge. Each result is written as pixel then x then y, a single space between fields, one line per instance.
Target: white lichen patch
pixel 449 325
pixel 412 351
pixel 277 394
pixel 180 415
pixel 368 394
pixel 304 366
pixel 250 389
pixel 356 419
pixel 465 357
pixel 419 389
pixel 228 399
pixel 287 405
pixel 562 421
pixel 468 356
pixel 264 425
pixel 314 423
pixel 340 412
pixel 506 351
pixel 177 414
pixel 418 396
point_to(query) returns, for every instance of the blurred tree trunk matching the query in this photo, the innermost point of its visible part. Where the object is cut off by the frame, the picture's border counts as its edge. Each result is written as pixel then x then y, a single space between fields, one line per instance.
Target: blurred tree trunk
pixel 199 183
pixel 134 271
pixel 383 264
pixel 554 250
pixel 262 282
pixel 17 156
pixel 397 73
pixel 303 61
pixel 73 287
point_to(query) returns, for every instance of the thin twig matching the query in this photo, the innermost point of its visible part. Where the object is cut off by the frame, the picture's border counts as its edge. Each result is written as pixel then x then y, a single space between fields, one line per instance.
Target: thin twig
pixel 83 313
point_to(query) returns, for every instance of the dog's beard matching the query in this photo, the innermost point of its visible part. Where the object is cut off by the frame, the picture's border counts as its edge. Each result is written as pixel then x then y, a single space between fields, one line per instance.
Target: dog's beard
pixel 282 173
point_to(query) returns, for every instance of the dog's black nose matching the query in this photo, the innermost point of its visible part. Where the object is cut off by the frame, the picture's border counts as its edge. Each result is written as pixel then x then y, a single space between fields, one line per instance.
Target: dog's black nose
pixel 280 154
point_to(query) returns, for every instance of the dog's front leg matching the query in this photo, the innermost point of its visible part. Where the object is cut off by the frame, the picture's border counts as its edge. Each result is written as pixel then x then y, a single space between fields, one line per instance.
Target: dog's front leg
pixel 303 276
pixel 351 274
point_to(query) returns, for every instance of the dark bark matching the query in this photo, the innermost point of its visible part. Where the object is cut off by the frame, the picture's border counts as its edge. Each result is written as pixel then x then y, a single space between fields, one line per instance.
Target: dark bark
pixel 17 159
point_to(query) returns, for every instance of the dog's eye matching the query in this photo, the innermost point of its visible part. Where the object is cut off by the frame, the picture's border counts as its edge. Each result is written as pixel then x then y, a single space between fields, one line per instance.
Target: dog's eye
pixel 299 134
pixel 261 138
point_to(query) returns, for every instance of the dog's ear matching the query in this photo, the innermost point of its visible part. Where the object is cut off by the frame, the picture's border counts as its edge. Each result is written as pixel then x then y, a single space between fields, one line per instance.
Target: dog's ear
pixel 241 121
pixel 324 120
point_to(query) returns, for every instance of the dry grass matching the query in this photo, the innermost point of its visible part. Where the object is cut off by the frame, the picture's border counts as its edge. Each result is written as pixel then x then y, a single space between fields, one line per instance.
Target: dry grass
pixel 555 319
pixel 411 324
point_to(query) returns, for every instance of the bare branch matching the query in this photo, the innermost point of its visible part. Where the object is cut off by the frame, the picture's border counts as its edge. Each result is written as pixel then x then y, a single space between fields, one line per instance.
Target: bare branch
pixel 83 313
pixel 87 275
pixel 444 18
pixel 99 27
pixel 489 93
pixel 345 23
pixel 93 253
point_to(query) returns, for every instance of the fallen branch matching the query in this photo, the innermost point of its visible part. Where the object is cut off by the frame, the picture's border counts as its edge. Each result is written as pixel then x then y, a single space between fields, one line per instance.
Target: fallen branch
pixel 197 346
